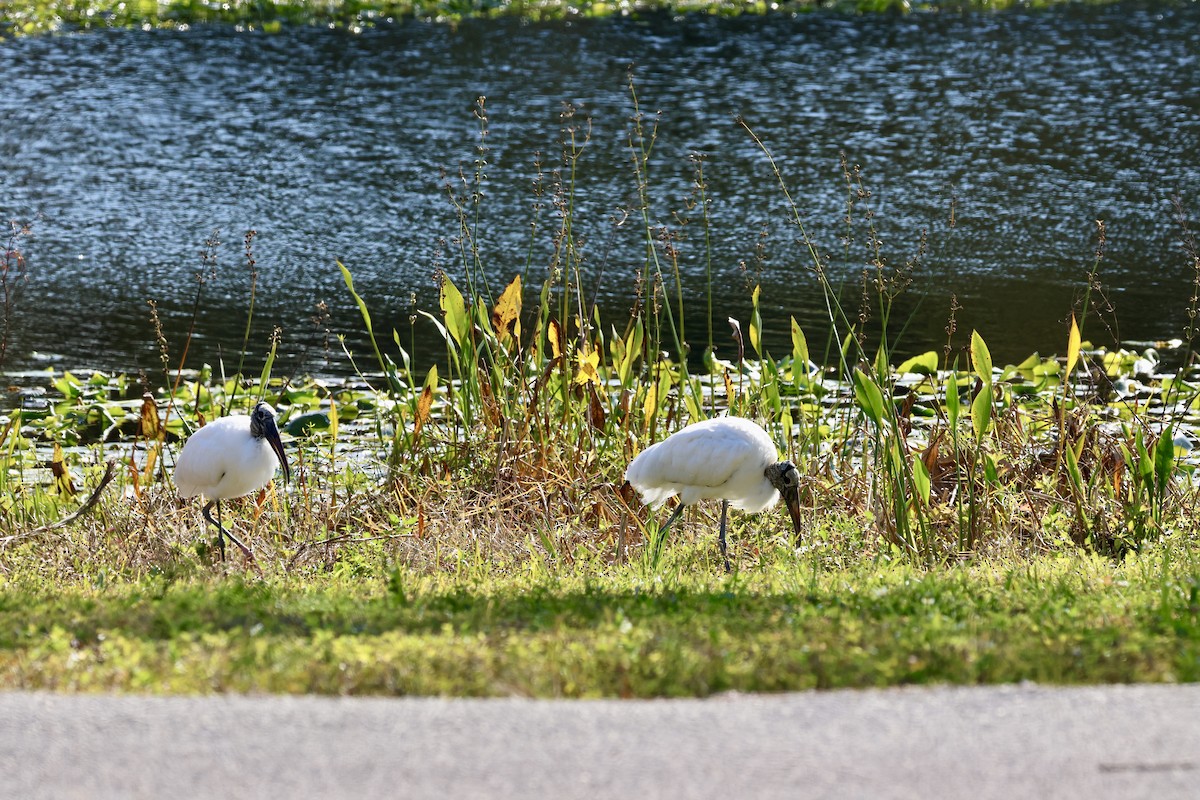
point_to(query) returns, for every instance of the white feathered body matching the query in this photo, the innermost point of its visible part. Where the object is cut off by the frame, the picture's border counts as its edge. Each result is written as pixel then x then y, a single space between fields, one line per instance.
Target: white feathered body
pixel 720 458
pixel 223 460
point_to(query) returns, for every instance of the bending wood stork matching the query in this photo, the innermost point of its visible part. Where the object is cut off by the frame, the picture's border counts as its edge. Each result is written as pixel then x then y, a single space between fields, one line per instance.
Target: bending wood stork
pixel 231 457
pixel 728 458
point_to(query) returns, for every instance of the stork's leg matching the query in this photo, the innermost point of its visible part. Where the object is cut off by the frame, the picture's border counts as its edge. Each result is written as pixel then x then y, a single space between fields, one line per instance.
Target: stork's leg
pixel 721 541
pixel 222 533
pixel 220 529
pixel 674 516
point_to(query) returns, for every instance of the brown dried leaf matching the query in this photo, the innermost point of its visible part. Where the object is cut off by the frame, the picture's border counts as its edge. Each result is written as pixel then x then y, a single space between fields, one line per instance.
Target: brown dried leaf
pixel 148 423
pixel 596 414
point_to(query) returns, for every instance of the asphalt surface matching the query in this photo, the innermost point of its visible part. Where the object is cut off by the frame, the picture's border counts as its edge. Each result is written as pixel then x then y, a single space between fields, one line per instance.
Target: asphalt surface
pixel 976 743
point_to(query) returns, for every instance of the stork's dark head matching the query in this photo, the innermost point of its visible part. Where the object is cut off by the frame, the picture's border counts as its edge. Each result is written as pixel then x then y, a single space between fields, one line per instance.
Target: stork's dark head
pixel 262 426
pixel 786 479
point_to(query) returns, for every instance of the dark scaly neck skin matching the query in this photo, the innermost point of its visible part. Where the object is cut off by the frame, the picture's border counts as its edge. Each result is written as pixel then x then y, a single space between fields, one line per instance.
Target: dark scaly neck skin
pixel 257 419
pixel 783 476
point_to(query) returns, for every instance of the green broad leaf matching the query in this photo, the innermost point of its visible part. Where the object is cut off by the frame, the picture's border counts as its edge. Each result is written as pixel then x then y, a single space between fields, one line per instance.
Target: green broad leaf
pixel 633 349
pixel 454 307
pixel 693 406
pixel 305 424
pixel 1145 466
pixel 991 471
pixel 483 319
pixel 1164 459
pixel 265 378
pixel 1073 471
pixel 1047 368
pixel 981 358
pixel 848 344
pixel 921 479
pixel 869 397
pixel 1029 364
pixel 770 393
pixel 952 403
pixel 882 367
pixel 68 385
pixel 617 349
pixel 981 411
pixel 924 364
pixel 799 351
pixel 756 323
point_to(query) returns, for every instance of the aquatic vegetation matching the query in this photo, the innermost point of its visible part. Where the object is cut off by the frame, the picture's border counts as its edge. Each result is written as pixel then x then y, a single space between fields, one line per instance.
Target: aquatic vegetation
pixel 42 16
pixel 513 440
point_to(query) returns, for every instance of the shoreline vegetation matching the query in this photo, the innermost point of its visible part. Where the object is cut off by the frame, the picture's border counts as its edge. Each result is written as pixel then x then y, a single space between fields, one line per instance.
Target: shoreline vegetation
pixel 463 530
pixel 46 16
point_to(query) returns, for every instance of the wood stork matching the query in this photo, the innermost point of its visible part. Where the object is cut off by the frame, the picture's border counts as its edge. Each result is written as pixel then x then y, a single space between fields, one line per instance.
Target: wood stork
pixel 728 458
pixel 231 457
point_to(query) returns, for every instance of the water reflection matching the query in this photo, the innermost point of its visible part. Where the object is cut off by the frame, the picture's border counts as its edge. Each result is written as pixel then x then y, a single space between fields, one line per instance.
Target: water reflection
pixel 1022 128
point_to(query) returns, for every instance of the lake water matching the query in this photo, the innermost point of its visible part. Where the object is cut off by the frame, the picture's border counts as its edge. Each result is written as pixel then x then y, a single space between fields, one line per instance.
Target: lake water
pixel 127 149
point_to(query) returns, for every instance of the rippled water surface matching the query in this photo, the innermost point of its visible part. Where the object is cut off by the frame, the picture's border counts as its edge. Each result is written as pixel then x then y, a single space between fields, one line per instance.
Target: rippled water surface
pixel 1003 136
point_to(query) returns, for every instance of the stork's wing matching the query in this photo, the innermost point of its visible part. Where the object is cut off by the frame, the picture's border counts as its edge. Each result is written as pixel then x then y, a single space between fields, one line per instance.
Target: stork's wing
pixel 706 459
pixel 206 456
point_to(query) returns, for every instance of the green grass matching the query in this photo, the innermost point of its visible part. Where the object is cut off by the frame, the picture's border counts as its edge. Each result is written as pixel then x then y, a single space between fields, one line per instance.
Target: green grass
pixel 1064 619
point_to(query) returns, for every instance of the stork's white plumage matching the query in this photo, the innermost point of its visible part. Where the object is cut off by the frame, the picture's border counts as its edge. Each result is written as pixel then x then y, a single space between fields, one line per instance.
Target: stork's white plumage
pixel 729 459
pixel 231 457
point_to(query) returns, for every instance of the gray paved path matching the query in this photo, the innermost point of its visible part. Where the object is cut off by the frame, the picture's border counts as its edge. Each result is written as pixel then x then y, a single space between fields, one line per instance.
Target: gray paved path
pixel 976 743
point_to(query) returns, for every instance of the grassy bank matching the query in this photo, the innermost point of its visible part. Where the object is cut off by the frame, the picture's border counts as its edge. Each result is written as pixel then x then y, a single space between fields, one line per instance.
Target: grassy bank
pixel 682 631
pixel 42 16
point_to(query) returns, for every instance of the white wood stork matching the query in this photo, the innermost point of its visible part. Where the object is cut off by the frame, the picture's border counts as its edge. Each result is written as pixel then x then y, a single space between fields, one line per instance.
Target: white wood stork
pixel 231 457
pixel 728 458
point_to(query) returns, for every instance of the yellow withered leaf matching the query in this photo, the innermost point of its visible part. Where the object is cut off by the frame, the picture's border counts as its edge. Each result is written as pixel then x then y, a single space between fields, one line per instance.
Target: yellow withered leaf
pixel 63 481
pixel 649 406
pixel 589 362
pixel 507 309
pixel 554 334
pixel 1073 348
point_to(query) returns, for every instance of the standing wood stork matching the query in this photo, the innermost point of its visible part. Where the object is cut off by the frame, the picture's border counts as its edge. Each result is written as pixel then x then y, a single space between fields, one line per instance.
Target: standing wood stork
pixel 729 458
pixel 231 457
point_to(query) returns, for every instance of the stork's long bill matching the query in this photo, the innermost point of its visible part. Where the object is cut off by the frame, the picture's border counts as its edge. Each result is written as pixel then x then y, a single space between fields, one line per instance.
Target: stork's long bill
pixel 791 498
pixel 264 419
pixel 786 479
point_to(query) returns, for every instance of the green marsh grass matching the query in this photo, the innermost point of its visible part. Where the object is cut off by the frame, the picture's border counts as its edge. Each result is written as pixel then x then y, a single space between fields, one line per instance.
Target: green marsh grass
pixel 463 528
pixel 371 627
